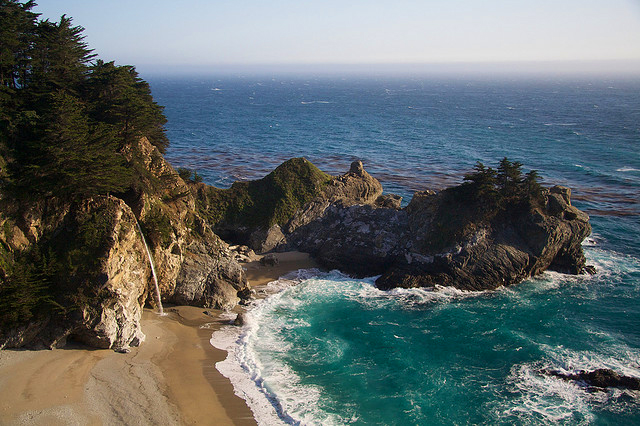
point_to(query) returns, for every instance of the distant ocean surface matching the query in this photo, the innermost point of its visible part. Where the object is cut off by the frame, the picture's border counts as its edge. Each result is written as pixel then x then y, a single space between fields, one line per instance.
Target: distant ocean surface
pixel 327 349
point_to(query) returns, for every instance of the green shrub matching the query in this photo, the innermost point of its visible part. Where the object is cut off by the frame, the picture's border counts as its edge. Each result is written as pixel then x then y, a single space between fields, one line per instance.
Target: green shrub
pixel 157 228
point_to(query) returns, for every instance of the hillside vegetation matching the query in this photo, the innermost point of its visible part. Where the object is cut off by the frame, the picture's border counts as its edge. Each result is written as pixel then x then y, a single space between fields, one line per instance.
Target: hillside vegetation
pixel 65 118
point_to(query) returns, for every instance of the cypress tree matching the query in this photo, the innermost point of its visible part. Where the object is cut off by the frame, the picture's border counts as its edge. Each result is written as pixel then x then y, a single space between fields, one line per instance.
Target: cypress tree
pixel 117 96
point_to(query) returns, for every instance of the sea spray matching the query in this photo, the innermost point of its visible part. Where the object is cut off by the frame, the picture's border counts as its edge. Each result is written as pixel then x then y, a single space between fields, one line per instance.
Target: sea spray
pixel 153 272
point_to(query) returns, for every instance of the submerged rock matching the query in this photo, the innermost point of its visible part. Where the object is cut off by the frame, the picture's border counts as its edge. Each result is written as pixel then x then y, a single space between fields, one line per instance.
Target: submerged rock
pixel 599 379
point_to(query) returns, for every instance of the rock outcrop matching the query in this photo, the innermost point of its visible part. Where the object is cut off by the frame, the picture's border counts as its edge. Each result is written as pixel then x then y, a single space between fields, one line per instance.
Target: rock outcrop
pixel 195 266
pixel 521 242
pixel 93 276
pixel 599 379
pixel 444 238
pixel 99 298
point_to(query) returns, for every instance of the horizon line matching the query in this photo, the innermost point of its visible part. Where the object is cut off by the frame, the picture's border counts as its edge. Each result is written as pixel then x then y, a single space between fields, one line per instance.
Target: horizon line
pixel 617 67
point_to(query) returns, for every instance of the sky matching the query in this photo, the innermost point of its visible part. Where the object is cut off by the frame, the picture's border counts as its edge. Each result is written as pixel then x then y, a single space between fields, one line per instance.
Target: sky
pixel 495 34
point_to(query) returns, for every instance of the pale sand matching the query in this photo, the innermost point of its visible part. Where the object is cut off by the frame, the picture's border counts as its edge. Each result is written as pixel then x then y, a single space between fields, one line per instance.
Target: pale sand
pixel 257 274
pixel 170 379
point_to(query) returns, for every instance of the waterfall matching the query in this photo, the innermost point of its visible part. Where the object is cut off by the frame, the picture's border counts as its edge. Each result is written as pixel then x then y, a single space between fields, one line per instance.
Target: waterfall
pixel 153 272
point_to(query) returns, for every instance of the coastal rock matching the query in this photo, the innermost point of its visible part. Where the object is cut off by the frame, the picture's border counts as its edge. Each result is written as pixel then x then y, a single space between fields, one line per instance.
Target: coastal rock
pixel 114 322
pixel 599 379
pixel 391 201
pixel 439 239
pixel 110 275
pixel 345 222
pixel 522 242
pixel 241 319
pixel 248 212
pixel 211 281
pixel 194 266
pixel 357 239
pixel 356 187
pixel 99 275
pixel 266 240
pixel 269 260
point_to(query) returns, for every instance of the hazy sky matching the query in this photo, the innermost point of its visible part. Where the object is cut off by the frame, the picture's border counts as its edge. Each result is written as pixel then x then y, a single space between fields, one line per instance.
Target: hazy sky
pixel 171 33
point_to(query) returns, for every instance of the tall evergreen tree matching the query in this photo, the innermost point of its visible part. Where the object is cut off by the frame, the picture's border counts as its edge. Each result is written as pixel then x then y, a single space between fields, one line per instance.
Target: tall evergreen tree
pixel 119 97
pixel 509 178
pixel 60 58
pixel 482 182
pixel 17 35
pixel 71 157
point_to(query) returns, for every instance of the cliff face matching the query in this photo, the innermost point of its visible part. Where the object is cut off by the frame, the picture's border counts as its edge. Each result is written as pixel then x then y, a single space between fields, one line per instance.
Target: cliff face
pixel 94 276
pixel 194 265
pixel 98 301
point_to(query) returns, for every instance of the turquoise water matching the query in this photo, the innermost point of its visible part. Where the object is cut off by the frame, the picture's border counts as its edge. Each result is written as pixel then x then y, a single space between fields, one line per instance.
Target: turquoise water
pixel 324 348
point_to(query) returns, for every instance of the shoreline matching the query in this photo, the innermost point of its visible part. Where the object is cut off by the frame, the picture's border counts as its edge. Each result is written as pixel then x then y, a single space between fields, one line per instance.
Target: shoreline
pixel 170 379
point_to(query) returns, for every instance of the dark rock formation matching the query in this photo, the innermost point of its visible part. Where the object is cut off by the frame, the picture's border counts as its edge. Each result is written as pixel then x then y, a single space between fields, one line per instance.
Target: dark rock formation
pixel 520 242
pixel 599 379
pixel 357 239
pixel 269 260
pixel 446 238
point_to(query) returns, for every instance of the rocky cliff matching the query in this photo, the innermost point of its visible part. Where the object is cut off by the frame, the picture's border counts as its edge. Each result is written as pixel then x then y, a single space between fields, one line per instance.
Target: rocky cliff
pixel 80 270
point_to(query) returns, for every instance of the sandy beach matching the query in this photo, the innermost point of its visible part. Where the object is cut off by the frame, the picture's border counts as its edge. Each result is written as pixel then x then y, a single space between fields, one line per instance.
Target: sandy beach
pixel 170 379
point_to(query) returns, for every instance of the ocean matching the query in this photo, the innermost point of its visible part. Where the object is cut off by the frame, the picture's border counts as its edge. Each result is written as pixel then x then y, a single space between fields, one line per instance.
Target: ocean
pixel 323 348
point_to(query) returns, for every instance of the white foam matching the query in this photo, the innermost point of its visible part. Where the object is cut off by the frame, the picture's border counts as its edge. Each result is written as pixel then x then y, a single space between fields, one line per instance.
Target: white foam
pixel 627 169
pixel 554 399
pixel 271 389
pixel 610 263
pixel 541 396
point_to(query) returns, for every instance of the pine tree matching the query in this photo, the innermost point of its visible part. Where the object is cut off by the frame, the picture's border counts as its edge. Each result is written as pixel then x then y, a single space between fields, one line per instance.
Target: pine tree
pixel 17 35
pixel 531 186
pixel 70 157
pixel 60 57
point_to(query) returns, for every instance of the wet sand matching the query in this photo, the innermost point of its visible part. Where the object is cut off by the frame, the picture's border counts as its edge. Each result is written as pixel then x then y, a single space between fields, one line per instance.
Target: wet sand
pixel 170 379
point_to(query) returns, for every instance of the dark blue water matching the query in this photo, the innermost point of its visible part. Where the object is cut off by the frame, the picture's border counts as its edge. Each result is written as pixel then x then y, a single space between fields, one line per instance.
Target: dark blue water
pixel 335 350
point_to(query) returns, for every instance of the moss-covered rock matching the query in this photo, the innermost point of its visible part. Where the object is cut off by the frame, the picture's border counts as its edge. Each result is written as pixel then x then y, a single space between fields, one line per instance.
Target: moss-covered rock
pixel 265 202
